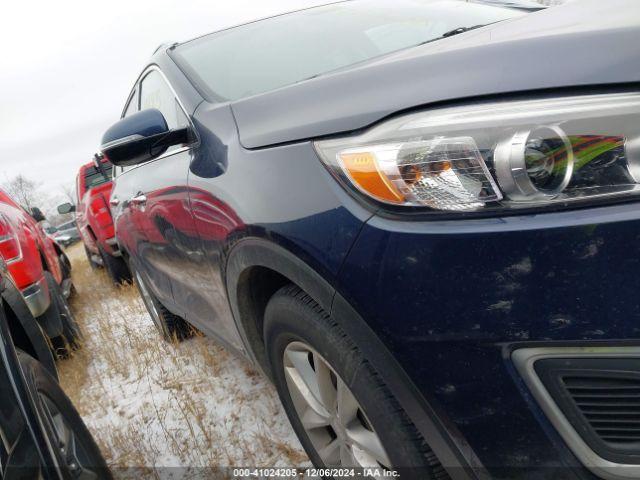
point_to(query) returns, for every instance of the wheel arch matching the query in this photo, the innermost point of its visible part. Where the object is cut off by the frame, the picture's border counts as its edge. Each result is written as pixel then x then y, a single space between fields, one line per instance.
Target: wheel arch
pixel 58 249
pixel 257 268
pixel 91 233
pixel 26 333
pixel 43 261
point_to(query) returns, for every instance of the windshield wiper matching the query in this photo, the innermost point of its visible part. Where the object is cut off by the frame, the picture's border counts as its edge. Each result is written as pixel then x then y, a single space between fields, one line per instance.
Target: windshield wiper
pixel 458 30
pixel 453 32
pixel 450 33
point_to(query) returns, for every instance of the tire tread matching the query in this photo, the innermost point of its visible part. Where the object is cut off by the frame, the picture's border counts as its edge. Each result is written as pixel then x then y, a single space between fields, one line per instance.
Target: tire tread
pixel 292 293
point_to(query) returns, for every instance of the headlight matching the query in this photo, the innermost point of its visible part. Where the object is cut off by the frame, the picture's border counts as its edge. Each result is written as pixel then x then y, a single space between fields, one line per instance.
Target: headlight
pixel 496 155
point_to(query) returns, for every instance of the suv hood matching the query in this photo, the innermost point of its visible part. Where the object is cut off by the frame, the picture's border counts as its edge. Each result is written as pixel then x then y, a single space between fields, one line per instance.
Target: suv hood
pixel 577 44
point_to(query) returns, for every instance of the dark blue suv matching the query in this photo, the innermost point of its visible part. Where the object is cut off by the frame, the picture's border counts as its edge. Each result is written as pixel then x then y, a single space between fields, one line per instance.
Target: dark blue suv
pixel 418 218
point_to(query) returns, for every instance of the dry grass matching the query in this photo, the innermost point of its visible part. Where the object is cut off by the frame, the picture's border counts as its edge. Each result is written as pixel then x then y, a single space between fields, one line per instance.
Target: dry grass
pixel 153 404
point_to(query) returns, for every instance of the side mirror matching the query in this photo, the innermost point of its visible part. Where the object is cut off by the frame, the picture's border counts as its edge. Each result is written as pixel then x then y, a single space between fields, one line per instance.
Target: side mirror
pixel 141 137
pixel 66 208
pixel 37 214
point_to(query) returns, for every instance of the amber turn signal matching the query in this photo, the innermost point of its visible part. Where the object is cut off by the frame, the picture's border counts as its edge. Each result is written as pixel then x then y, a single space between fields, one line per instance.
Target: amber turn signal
pixel 363 170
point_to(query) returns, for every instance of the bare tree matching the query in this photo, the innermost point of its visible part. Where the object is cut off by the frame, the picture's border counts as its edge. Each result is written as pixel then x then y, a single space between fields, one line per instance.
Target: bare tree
pixel 69 193
pixel 22 189
pixel 25 191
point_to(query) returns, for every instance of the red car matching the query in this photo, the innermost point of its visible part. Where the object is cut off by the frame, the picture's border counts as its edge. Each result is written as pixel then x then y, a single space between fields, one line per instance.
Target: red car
pixel 41 271
pixel 93 218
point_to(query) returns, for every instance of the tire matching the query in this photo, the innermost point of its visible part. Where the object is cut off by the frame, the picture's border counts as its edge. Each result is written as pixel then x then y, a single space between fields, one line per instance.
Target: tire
pixel 70 337
pixel 52 403
pixel 92 264
pixel 300 337
pixel 172 327
pixel 65 265
pixel 116 267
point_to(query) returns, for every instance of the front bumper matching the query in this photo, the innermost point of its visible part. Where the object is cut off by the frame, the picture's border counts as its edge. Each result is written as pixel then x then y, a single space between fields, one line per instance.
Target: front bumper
pixel 590 395
pixel 453 299
pixel 37 297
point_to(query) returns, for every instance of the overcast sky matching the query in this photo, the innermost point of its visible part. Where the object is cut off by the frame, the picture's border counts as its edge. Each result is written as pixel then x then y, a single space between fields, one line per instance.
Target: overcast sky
pixel 68 66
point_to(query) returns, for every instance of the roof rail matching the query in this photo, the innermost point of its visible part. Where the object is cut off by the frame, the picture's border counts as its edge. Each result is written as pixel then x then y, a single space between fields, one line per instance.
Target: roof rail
pixel 164 45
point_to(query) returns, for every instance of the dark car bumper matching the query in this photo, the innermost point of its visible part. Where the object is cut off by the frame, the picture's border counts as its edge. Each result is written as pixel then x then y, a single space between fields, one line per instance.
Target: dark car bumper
pixel 453 299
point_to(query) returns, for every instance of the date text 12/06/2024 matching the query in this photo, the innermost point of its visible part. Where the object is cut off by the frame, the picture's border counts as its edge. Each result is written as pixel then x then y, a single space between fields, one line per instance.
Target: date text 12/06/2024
pixel 312 473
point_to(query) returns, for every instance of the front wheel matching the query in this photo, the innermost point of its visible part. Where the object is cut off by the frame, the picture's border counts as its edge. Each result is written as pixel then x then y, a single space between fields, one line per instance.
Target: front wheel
pixel 342 412
pixel 65 265
pixel 76 452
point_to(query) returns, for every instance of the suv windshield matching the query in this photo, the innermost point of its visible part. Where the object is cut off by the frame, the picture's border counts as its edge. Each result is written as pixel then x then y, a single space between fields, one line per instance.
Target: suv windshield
pixel 279 51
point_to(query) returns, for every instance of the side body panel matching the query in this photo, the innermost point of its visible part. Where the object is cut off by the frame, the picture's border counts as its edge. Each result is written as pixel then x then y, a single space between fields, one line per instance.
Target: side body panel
pixel 35 245
pixel 169 230
pixel 231 194
pixel 28 269
pixel 152 200
pixel 281 195
pixel 93 214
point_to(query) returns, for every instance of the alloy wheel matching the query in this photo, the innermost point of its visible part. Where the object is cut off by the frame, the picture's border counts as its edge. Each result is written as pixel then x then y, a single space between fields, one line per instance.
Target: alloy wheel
pixel 333 419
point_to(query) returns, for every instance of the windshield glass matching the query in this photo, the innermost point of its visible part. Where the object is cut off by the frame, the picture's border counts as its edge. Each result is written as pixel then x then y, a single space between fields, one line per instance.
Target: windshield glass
pixel 67 226
pixel 94 177
pixel 278 51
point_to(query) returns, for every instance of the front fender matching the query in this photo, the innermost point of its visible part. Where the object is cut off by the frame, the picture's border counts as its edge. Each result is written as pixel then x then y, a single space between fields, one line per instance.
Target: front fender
pixel 255 252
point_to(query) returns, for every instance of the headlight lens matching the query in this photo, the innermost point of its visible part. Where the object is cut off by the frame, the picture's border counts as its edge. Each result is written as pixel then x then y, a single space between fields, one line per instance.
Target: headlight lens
pixel 496 155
